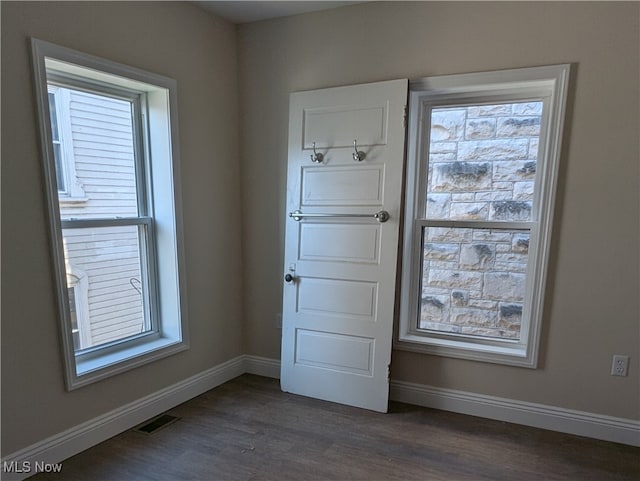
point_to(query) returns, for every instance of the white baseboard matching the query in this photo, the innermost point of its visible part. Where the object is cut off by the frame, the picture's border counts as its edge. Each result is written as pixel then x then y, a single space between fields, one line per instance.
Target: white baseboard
pixel 262 366
pixel 581 423
pixel 79 438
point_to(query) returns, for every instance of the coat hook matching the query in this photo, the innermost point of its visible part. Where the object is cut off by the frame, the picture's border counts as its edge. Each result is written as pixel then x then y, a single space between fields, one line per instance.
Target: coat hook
pixel 358 155
pixel 316 157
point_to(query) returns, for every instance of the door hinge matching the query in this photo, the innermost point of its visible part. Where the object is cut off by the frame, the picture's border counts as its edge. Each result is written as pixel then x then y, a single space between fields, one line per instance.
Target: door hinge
pixel 404 117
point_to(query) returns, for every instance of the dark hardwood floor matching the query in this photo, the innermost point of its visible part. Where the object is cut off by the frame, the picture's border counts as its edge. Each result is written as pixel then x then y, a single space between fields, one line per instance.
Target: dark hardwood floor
pixel 247 429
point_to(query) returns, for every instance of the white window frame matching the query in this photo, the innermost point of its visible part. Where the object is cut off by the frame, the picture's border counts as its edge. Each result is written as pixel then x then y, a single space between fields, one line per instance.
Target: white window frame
pixel 159 145
pixel 548 84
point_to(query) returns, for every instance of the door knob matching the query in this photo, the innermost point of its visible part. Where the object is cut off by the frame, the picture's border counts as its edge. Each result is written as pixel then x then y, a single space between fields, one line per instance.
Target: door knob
pixel 289 278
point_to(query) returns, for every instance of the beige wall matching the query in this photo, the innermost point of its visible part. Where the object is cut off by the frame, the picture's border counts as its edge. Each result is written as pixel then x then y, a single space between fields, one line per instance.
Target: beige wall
pixel 174 39
pixel 592 300
pixel 592 297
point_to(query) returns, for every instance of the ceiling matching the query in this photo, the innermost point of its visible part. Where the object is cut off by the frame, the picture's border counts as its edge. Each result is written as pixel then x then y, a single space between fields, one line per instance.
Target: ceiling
pixel 247 11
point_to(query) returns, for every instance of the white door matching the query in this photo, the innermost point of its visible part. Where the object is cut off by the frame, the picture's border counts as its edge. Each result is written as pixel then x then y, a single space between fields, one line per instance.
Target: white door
pixel 340 260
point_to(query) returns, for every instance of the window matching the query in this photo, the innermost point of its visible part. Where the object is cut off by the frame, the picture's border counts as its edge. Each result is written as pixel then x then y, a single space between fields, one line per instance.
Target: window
pixel 483 156
pixel 69 188
pixel 111 168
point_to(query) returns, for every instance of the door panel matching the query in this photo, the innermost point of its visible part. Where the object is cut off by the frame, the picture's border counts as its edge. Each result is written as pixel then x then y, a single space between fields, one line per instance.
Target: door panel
pixel 333 297
pixel 338 306
pixel 339 242
pixel 339 125
pixel 344 185
pixel 337 352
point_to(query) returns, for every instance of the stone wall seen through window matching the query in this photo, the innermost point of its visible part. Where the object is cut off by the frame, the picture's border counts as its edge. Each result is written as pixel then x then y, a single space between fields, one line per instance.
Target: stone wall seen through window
pixel 482 166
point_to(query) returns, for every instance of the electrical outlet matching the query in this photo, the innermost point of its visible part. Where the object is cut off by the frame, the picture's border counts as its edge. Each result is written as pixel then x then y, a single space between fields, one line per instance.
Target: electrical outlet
pixel 279 320
pixel 620 365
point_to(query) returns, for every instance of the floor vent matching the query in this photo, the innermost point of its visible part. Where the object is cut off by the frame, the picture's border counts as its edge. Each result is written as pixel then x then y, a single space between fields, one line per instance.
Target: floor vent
pixel 156 424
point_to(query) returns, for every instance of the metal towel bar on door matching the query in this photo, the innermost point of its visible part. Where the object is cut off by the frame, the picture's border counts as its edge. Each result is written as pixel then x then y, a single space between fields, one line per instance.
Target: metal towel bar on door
pixel 382 216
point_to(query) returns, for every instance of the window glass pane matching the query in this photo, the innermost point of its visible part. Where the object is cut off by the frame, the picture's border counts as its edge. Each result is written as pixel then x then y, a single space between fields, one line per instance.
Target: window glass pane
pixel 101 149
pixel 57 157
pixel 54 117
pixel 114 303
pixel 473 281
pixel 75 331
pixel 482 161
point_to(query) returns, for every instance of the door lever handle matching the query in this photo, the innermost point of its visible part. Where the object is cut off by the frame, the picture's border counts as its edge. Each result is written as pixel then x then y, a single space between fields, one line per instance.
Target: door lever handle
pixel 289 278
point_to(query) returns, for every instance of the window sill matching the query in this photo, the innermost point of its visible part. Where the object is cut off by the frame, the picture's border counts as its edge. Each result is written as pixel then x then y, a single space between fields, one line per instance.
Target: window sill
pixel 508 353
pixel 105 365
pixel 72 200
